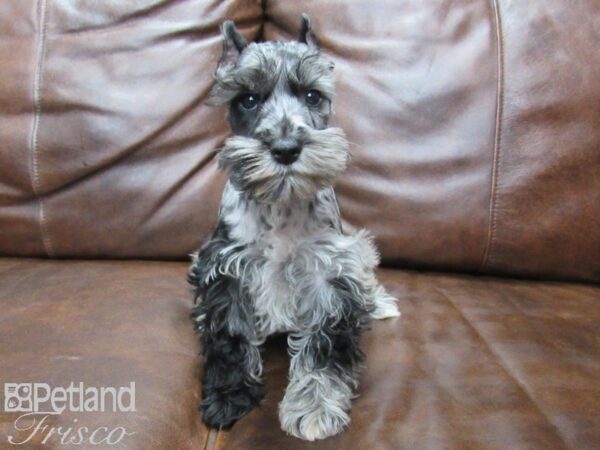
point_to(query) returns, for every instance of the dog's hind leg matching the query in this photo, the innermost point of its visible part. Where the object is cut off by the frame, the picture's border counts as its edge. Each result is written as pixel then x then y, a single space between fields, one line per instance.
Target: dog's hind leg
pixel 384 304
pixel 362 263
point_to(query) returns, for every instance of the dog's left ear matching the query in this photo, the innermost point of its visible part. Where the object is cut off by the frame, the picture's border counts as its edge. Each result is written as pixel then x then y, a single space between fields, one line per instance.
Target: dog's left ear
pixel 306 33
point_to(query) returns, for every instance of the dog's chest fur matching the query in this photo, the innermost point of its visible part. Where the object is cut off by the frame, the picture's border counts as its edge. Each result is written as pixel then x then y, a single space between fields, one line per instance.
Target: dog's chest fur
pixel 281 243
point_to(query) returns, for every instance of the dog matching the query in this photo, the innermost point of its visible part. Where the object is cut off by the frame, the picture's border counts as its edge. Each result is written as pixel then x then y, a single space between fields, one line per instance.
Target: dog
pixel 278 260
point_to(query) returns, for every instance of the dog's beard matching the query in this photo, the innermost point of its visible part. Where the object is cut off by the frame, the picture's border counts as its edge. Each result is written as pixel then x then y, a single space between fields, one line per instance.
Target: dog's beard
pixel 253 171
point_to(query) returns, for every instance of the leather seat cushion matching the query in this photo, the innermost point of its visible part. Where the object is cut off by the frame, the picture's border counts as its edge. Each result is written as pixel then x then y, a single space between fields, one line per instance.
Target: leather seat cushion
pixel 104 324
pixel 472 363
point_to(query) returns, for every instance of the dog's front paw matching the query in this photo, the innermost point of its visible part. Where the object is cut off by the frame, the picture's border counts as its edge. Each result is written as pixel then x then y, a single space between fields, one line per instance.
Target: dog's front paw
pixel 315 408
pixel 221 411
pixel 317 422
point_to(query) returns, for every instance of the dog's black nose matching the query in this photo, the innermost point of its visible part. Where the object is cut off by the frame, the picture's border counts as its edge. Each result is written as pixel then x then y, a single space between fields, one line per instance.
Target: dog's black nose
pixel 286 154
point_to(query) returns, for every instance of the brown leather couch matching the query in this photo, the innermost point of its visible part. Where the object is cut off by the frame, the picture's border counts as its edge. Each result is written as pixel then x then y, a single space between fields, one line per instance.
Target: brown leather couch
pixel 476 163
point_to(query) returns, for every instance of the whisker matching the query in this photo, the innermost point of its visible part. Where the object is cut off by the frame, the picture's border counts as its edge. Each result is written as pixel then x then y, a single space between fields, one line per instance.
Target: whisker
pixel 354 143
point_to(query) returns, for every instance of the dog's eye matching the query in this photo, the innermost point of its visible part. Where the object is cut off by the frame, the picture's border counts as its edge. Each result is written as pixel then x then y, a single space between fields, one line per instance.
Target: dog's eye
pixel 249 101
pixel 313 97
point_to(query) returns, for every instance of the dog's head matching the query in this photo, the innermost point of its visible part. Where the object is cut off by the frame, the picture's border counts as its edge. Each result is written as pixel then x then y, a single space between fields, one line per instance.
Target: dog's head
pixel 279 96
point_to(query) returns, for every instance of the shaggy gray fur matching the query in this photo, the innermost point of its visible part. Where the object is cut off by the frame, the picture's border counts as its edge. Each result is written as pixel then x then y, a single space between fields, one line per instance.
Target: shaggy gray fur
pixel 279 236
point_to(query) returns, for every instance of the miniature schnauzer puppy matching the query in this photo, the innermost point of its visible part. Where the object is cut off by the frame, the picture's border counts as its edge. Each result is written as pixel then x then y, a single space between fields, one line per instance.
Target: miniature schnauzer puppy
pixel 278 260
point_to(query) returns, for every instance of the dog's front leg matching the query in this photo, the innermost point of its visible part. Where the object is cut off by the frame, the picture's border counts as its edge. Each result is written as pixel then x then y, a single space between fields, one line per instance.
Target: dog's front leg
pixel 231 384
pixel 324 365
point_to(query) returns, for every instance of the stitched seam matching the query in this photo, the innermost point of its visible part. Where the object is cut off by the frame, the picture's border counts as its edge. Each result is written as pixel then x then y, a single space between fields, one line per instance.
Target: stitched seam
pixel 498 128
pixel 37 101
pixel 264 18
pixel 502 363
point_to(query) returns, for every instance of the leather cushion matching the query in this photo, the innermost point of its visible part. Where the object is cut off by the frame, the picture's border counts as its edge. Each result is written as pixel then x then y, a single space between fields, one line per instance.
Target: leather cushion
pixel 472 362
pixel 474 127
pixel 106 146
pixel 105 324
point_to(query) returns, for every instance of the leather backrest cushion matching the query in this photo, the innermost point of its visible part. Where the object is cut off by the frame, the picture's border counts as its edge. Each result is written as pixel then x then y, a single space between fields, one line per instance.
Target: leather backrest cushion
pixel 106 146
pixel 474 127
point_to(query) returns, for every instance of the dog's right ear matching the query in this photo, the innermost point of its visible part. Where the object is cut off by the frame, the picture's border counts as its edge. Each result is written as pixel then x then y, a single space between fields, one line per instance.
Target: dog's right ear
pixel 307 36
pixel 233 43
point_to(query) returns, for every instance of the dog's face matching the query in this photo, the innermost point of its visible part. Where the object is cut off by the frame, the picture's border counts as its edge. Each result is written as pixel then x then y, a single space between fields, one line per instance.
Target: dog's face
pixel 279 96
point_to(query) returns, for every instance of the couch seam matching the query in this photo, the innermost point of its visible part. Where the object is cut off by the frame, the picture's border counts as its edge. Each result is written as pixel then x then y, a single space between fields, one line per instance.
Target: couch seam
pixel 492 213
pixel 501 362
pixel 264 19
pixel 37 107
